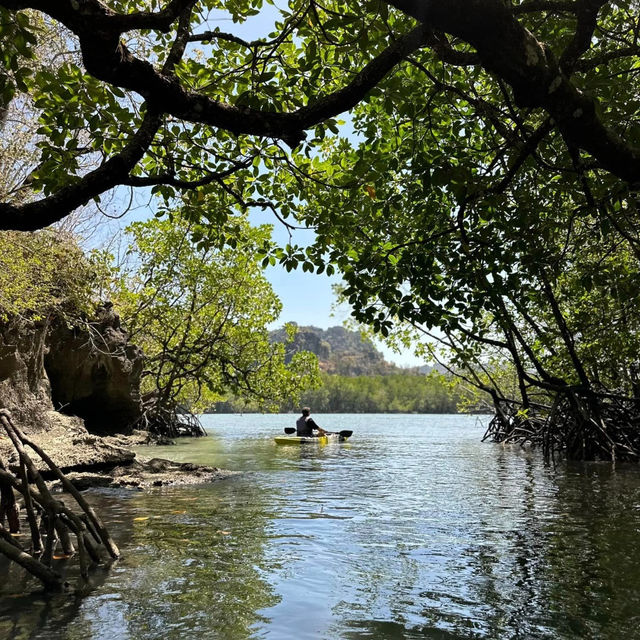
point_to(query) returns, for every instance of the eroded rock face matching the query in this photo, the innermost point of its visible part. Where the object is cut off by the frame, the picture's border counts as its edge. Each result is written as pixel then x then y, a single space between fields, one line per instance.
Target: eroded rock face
pixel 25 390
pixel 24 386
pixel 94 373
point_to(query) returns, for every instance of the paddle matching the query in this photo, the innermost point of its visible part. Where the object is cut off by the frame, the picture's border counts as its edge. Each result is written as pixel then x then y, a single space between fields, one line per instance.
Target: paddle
pixel 346 433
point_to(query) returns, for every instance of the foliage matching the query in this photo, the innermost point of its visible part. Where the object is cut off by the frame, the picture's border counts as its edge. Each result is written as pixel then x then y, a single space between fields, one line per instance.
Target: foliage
pixel 200 314
pixel 168 100
pixel 18 40
pixel 41 274
pixel 394 393
pixel 486 192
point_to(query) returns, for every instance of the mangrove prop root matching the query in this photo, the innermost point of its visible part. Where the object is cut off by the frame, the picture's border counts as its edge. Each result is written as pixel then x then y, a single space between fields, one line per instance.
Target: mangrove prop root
pixel 168 422
pixel 31 514
pixel 9 538
pixel 46 575
pixel 65 539
pixel 84 505
pixel 47 556
pixel 8 505
pixel 579 426
pixel 58 524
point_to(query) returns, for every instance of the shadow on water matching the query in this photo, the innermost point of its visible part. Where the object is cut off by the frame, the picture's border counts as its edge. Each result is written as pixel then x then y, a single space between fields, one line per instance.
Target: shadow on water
pixel 385 630
pixel 415 530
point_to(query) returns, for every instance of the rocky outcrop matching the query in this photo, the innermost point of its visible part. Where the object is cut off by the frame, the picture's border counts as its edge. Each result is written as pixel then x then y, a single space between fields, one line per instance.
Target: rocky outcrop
pixel 91 373
pixel 154 472
pixel 71 447
pixel 94 373
pixel 339 351
pixel 24 386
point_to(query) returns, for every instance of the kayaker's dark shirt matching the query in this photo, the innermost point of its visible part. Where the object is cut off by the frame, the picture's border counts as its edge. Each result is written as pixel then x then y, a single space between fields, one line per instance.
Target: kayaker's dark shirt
pixel 305 426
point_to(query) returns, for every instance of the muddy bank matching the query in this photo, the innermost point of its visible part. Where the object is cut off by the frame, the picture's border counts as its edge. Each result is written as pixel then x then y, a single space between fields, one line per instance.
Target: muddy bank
pixel 143 471
pixel 149 472
pixel 89 460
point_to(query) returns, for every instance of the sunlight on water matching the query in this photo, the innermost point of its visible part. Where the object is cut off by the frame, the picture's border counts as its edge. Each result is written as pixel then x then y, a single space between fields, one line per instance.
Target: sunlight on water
pixel 413 529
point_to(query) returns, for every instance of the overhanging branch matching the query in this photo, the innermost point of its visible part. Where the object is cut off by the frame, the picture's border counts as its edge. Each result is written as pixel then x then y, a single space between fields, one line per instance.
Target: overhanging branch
pixel 512 53
pixel 114 172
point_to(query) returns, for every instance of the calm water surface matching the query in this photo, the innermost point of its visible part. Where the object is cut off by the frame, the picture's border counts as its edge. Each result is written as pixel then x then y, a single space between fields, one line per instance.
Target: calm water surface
pixel 413 529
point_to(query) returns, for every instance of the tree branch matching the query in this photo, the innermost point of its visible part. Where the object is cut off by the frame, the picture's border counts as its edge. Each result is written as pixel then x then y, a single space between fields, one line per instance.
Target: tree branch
pixel 108 59
pixel 511 52
pixel 587 15
pixel 114 172
pixel 73 13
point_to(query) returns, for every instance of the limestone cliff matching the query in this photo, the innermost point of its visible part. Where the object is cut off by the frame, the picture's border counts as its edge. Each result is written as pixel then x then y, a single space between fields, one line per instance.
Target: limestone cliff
pixel 94 373
pixel 24 386
pixel 90 374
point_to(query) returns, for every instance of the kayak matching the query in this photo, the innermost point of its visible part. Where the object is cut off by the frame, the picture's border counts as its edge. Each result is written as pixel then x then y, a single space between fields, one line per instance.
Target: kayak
pixel 332 437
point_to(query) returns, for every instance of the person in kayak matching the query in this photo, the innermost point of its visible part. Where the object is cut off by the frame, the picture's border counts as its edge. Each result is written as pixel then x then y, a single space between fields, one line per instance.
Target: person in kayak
pixel 305 425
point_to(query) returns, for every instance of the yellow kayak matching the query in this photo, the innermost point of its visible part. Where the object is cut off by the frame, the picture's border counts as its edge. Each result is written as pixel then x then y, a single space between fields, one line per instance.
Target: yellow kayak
pixel 332 437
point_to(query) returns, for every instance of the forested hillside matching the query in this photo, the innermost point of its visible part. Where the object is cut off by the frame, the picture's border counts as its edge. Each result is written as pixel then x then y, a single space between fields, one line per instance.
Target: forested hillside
pixel 355 378
pixel 339 351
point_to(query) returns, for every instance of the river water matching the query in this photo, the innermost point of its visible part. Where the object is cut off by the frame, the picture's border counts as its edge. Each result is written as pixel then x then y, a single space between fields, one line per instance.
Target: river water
pixel 412 529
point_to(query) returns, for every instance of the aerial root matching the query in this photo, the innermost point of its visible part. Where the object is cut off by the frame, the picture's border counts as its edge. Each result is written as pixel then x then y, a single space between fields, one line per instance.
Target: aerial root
pixel 51 523
pixel 596 427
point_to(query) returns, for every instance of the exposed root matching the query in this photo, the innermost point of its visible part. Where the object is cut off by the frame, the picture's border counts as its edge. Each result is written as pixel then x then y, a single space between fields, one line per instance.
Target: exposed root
pixel 47 516
pixel 595 427
pixel 169 422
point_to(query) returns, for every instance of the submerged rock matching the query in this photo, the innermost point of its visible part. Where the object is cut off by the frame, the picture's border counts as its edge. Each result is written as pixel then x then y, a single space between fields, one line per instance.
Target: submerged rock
pixel 150 472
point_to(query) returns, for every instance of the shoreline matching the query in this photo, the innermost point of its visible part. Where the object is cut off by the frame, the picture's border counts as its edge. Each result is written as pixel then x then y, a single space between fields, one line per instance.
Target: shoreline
pixel 88 460
pixel 145 473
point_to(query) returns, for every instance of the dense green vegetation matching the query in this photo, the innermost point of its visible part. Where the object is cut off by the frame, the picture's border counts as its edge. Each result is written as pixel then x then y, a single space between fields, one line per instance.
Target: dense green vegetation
pixel 43 275
pixel 393 393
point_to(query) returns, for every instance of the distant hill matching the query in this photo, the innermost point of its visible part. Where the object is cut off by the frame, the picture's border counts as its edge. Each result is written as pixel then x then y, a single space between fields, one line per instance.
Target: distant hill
pixel 340 351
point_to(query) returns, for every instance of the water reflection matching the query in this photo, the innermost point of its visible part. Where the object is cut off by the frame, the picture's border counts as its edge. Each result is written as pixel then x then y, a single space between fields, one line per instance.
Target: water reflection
pixel 193 563
pixel 415 531
pixel 593 558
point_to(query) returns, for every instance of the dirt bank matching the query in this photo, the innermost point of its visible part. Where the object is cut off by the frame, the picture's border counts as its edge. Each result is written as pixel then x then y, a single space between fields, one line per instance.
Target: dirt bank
pixel 89 460
pixel 149 472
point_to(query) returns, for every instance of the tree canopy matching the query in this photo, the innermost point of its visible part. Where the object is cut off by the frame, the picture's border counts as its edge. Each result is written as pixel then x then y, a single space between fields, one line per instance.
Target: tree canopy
pixel 44 274
pixel 393 393
pixel 200 314
pixel 164 98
